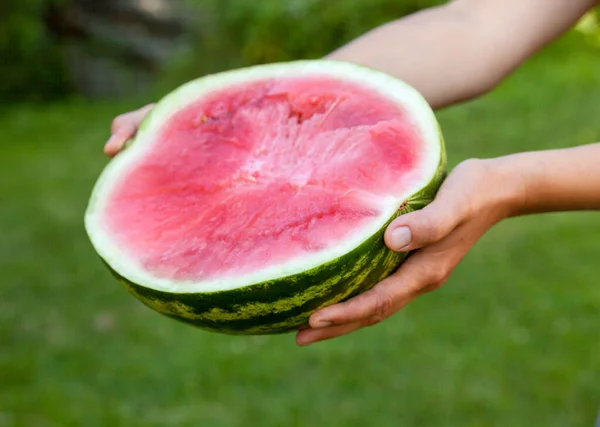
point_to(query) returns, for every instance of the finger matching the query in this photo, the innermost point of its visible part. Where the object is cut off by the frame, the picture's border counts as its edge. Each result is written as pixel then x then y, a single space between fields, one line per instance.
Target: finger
pixel 420 272
pixel 311 336
pixel 124 128
pixel 303 326
pixel 117 141
pixel 430 224
pixel 377 302
pixel 132 119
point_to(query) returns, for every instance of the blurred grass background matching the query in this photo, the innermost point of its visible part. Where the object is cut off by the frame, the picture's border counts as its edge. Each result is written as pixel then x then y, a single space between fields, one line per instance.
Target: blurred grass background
pixel 513 338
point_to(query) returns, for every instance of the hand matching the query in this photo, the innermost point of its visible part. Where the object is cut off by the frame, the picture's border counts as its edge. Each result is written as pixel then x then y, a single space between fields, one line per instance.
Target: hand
pixel 125 127
pixel 474 197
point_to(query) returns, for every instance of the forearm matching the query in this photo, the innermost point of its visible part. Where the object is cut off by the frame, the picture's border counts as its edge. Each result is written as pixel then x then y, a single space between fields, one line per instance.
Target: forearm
pixel 462 49
pixel 433 50
pixel 554 180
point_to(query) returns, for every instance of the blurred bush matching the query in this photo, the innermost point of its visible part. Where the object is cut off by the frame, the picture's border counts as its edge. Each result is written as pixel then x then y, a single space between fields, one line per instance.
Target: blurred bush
pixel 31 65
pixel 235 33
pixel 273 30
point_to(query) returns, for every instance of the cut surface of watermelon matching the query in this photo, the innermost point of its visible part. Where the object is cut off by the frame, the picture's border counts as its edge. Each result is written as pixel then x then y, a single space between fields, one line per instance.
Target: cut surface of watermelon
pixel 263 173
pixel 253 175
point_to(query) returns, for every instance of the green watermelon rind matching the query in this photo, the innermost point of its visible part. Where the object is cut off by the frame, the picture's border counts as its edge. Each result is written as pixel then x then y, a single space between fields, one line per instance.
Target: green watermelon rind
pixel 284 304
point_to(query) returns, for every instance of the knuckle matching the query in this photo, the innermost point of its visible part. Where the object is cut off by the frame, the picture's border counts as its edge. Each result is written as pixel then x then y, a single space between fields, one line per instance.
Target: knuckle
pixel 434 223
pixel 430 288
pixel 384 304
pixel 119 122
pixel 437 275
pixel 470 209
pixel 432 229
pixel 374 320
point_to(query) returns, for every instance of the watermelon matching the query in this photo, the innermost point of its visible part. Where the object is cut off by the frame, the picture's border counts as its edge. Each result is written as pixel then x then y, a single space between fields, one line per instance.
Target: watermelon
pixel 251 198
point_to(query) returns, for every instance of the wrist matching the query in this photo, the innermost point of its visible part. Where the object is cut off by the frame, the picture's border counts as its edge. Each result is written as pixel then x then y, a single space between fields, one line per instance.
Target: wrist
pixel 508 195
pixel 552 180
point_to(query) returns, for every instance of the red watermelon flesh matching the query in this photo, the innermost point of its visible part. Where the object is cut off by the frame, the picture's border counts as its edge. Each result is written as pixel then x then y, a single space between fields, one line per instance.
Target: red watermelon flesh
pixel 260 173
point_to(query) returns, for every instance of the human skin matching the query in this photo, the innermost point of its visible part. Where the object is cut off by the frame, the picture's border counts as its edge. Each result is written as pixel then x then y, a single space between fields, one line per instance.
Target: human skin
pixel 478 194
pixel 453 53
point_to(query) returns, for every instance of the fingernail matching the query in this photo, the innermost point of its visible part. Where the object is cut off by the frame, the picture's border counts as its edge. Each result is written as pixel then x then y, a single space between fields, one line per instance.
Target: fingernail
pixel 322 324
pixel 401 238
pixel 304 343
pixel 302 340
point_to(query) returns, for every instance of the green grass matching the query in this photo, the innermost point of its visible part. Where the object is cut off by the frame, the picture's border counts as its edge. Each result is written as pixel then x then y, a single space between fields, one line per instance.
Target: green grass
pixel 513 339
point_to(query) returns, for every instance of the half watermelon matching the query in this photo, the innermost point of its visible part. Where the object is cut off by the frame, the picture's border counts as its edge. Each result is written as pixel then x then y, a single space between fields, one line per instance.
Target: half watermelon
pixel 251 198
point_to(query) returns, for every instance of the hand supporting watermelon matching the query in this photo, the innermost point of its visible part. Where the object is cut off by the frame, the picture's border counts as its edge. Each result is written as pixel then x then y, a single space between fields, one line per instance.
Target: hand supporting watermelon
pixel 476 195
pixel 123 128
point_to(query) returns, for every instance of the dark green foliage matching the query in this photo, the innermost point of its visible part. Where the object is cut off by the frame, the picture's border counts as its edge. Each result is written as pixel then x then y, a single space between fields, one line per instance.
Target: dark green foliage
pixel 31 65
pixel 273 30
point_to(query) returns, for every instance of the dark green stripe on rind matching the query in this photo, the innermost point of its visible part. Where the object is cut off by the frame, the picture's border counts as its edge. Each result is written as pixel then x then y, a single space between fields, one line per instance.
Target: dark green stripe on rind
pixel 278 305
pixel 286 303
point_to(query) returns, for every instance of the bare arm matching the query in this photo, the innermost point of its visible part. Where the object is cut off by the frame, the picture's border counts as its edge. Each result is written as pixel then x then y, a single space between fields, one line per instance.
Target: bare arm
pixel 557 180
pixel 462 49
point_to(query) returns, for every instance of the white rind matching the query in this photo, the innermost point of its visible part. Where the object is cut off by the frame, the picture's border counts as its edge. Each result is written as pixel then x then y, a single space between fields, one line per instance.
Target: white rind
pixel 391 88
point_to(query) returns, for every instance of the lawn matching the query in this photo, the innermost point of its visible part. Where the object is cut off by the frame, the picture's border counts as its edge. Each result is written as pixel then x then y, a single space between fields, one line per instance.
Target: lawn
pixel 513 339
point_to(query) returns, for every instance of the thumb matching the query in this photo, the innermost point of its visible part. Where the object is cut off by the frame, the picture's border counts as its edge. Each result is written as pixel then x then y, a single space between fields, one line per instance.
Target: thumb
pixel 428 225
